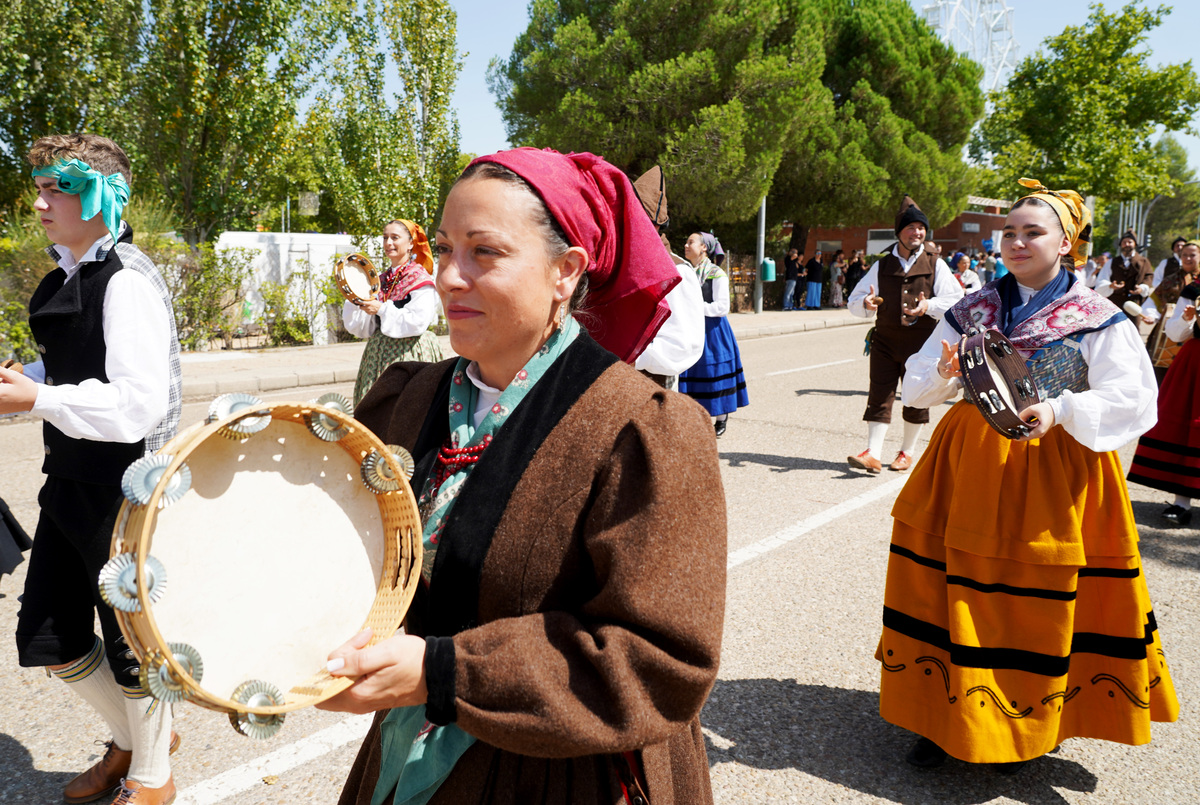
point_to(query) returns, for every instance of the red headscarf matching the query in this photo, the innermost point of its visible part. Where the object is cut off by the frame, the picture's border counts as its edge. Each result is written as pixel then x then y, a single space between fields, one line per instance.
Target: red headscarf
pixel 629 273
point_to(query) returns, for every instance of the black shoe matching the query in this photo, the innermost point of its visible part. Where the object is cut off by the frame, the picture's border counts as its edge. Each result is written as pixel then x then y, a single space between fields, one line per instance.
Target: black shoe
pixel 1009 769
pixel 719 427
pixel 1177 514
pixel 925 754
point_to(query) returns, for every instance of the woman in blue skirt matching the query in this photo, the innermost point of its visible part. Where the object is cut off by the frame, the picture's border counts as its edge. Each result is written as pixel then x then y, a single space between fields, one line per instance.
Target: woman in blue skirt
pixel 716 381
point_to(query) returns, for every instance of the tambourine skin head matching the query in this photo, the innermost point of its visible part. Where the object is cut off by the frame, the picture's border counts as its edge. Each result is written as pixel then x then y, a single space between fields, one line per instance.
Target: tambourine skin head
pixel 296 509
pixel 357 278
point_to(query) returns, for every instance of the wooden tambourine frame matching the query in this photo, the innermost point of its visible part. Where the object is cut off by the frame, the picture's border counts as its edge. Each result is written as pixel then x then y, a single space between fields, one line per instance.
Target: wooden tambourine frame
pixel 402 530
pixel 356 262
pixel 997 381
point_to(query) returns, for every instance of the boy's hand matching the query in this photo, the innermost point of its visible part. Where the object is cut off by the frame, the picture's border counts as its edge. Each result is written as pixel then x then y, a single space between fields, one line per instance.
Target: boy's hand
pixel 17 392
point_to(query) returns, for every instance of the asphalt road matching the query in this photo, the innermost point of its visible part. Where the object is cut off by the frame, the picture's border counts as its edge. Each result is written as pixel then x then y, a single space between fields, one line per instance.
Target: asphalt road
pixel 794 715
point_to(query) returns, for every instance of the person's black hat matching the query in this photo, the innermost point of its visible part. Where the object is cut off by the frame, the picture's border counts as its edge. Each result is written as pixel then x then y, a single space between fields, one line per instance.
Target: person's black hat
pixel 1128 235
pixel 1177 241
pixel 910 213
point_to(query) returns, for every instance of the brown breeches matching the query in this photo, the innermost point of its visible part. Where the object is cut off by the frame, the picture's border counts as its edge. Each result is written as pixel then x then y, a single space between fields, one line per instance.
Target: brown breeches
pixel 890 348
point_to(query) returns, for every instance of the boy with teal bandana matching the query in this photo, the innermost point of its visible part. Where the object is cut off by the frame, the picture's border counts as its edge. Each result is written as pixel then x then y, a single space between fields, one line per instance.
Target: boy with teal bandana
pixel 108 389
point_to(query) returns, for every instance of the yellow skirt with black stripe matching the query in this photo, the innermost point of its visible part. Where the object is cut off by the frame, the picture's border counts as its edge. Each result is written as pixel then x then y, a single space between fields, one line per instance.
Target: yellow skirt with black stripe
pixel 1016 614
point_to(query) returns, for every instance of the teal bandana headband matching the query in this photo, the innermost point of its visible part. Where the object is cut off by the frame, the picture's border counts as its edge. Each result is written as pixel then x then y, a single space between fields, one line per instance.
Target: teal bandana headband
pixel 97 193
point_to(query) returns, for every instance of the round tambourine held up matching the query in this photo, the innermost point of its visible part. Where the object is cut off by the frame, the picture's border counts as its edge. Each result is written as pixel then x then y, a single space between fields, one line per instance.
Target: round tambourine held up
pixel 357 278
pixel 997 380
pixel 252 545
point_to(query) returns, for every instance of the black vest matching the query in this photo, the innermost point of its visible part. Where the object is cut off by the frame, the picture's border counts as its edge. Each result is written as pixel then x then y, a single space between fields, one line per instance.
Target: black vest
pixel 1133 272
pixel 67 321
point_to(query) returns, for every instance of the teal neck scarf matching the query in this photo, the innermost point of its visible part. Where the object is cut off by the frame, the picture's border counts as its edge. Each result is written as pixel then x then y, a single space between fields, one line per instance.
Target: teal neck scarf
pixel 417 757
pixel 98 194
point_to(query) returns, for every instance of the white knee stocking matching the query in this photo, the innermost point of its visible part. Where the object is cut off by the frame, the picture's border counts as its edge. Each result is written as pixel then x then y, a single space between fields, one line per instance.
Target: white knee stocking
pixel 875 433
pixel 912 432
pixel 93 680
pixel 150 726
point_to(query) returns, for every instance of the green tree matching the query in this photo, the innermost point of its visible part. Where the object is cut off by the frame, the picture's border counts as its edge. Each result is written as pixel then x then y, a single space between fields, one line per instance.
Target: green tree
pixel 216 92
pixel 1081 112
pixel 712 92
pixel 834 107
pixel 385 155
pixel 903 104
pixel 67 67
pixel 1171 215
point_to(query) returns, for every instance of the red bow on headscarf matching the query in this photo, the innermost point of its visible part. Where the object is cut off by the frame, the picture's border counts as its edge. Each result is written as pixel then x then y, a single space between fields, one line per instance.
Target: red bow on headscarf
pixel 629 273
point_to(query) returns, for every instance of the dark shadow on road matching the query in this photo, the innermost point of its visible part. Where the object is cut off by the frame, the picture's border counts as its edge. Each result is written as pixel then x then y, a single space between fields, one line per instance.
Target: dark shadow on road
pixel 1164 541
pixel 21 782
pixel 831 392
pixel 837 734
pixel 789 463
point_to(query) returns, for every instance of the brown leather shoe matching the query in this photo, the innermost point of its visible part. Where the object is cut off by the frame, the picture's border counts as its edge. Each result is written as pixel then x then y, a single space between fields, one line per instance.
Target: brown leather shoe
pixel 865 461
pixel 903 462
pixel 103 778
pixel 134 793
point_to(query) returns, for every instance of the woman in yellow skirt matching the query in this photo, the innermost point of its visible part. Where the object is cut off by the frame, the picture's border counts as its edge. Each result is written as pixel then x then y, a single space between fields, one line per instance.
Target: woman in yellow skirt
pixel 1016 613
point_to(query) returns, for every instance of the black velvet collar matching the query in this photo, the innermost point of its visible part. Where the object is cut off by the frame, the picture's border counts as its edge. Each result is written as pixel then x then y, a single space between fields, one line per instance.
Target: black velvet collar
pixel 453 595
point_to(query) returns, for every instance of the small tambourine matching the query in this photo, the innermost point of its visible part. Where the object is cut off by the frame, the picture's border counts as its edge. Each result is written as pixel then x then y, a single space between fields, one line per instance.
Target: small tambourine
pixel 997 381
pixel 357 278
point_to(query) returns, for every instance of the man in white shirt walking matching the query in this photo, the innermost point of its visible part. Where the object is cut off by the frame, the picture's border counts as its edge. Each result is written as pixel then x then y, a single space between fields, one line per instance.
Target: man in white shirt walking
pixel 108 389
pixel 911 289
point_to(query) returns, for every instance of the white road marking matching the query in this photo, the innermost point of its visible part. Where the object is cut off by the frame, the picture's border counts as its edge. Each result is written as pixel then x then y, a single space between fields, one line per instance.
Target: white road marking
pixel 247 776
pixel 806 368
pixel 227 784
pixel 797 530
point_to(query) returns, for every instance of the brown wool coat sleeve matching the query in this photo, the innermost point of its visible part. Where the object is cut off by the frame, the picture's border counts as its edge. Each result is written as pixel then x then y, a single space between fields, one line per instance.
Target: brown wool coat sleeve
pixel 633 661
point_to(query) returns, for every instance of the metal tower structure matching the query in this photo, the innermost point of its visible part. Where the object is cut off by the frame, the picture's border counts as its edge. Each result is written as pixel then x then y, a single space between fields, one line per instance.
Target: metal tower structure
pixel 982 29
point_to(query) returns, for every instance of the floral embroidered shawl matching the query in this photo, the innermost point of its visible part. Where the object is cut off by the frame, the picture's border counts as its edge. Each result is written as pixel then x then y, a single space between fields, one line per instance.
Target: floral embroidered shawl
pixel 1063 308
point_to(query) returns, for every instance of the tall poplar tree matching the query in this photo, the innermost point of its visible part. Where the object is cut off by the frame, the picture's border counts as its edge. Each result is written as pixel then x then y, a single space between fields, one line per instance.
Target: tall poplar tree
pixel 389 154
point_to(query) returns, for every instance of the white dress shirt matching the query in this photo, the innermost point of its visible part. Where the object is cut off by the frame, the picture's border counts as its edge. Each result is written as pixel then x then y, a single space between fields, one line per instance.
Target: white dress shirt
pixel 679 343
pixel 1120 405
pixel 137 341
pixel 946 290
pixel 395 322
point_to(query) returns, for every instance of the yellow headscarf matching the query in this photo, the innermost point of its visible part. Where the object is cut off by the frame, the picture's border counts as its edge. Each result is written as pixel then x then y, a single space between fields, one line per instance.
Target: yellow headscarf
pixel 1072 212
pixel 420 248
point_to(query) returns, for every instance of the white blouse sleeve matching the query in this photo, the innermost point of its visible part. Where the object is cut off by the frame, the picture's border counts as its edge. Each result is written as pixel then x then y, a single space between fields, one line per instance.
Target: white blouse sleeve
pixel 922 386
pixel 679 343
pixel 137 339
pixel 1176 328
pixel 855 302
pixel 1122 401
pixel 1103 282
pixel 719 306
pixel 412 319
pixel 357 321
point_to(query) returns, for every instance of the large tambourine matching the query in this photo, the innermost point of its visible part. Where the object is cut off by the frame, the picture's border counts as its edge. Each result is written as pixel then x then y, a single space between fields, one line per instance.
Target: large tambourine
pixel 997 381
pixel 357 278
pixel 253 544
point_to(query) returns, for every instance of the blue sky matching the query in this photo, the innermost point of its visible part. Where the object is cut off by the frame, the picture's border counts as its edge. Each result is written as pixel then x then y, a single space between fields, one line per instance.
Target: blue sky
pixel 489 28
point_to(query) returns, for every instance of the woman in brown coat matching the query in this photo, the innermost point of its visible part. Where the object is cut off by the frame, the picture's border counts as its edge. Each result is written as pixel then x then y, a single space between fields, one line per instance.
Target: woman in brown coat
pixel 567 631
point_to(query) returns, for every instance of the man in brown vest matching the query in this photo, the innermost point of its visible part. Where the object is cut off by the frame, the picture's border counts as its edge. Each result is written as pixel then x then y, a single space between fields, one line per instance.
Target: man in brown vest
pixel 1128 276
pixel 911 289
